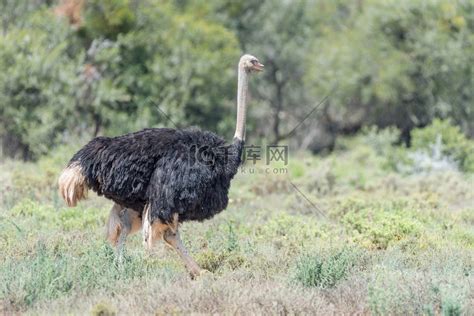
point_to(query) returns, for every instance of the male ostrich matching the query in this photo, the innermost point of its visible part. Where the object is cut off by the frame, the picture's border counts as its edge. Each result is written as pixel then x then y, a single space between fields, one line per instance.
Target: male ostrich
pixel 160 177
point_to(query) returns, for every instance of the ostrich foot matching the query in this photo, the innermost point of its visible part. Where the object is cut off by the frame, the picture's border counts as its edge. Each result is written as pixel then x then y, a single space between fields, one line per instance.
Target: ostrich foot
pixel 199 274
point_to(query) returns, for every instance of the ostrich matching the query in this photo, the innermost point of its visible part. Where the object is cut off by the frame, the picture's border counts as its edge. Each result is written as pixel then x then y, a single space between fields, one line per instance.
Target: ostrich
pixel 160 177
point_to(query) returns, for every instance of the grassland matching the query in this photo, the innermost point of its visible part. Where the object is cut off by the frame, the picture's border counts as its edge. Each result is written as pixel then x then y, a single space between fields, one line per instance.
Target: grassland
pixel 360 236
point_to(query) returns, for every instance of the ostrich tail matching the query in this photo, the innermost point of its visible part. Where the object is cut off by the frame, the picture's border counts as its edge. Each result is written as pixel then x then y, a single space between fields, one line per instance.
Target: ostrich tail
pixel 72 184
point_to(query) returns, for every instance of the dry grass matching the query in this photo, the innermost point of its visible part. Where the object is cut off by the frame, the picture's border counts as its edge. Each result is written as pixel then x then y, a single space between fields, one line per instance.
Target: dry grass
pixel 234 293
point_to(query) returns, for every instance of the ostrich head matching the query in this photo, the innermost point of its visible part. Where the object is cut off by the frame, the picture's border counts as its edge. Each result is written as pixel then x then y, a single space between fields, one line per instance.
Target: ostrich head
pixel 250 63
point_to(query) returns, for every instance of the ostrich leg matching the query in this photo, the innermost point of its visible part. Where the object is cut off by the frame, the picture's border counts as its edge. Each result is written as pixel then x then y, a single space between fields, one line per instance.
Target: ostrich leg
pixel 121 244
pixel 121 223
pixel 172 238
pixel 169 233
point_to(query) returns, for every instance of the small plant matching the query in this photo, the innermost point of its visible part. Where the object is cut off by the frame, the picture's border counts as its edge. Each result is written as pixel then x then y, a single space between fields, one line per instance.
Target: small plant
pixel 232 243
pixel 103 309
pixel 325 270
pixel 213 261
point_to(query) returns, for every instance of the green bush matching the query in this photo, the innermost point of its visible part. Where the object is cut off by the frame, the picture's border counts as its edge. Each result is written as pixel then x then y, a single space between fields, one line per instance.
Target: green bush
pixel 325 270
pixel 381 140
pixel 103 309
pixel 36 85
pixel 107 18
pixel 213 261
pixel 378 225
pixel 454 143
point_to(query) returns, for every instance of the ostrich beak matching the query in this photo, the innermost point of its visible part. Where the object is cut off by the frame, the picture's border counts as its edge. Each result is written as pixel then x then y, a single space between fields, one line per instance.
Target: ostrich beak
pixel 258 67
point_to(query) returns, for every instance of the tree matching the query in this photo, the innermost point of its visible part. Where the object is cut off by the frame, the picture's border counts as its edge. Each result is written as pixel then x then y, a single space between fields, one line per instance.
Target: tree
pixel 398 63
pixel 36 85
pixel 277 32
pixel 167 68
pixel 177 70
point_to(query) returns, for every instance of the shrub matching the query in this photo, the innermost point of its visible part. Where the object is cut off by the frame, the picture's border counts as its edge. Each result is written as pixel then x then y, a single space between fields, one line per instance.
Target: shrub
pixel 381 140
pixel 454 144
pixel 103 309
pixel 377 226
pixel 442 289
pixel 37 85
pixel 222 249
pixel 327 269
pixel 213 261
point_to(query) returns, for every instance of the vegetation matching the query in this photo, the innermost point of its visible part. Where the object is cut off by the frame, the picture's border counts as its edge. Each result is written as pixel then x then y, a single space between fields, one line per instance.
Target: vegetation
pixel 77 68
pixel 374 239
pixel 380 222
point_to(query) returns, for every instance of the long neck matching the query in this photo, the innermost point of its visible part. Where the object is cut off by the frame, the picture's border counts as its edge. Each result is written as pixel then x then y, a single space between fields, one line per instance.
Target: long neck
pixel 241 104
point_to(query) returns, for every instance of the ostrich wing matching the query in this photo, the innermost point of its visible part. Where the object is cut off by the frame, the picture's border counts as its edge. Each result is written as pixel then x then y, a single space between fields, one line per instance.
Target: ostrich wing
pixel 192 179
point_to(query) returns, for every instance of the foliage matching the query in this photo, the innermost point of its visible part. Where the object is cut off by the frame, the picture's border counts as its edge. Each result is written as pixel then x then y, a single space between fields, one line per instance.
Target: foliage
pixel 103 309
pixel 381 225
pixel 445 293
pixel 47 274
pixel 396 63
pixel 108 18
pixel 36 86
pixel 326 270
pixel 122 70
pixel 184 71
pixel 124 65
pixel 438 146
pixel 371 229
pixel 454 143
pixel 39 180
pixel 277 32
pixel 381 140
pixel 212 261
pixel 15 13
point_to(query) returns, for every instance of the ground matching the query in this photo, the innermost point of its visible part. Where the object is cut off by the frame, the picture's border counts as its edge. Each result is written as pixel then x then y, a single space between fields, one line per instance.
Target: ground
pixel 343 233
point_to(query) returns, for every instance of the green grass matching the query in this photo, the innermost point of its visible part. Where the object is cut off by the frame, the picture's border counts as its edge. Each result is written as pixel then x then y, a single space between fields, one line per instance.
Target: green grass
pixel 52 273
pixel 378 242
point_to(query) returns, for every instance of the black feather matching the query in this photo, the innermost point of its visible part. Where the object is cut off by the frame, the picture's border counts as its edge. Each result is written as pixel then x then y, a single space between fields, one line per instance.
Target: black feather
pixel 174 171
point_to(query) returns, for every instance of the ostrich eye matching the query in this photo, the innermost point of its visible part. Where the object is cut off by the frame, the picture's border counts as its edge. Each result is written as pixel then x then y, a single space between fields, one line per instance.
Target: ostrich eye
pixel 254 61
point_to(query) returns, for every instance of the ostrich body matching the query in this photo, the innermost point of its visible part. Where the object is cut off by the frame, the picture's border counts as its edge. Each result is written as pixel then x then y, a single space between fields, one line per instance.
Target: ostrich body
pixel 160 177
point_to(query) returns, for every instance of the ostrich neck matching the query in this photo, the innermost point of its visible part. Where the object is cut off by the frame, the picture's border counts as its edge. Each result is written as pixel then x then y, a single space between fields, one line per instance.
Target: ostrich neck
pixel 241 104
